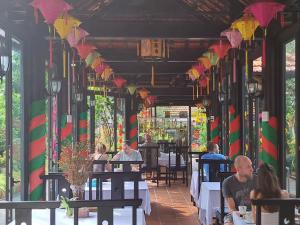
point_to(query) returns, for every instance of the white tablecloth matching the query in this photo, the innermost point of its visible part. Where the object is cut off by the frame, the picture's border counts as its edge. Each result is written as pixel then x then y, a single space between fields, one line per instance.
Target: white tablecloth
pixel 209 201
pixel 163 160
pixel 121 217
pixel 237 220
pixel 144 193
pixel 194 186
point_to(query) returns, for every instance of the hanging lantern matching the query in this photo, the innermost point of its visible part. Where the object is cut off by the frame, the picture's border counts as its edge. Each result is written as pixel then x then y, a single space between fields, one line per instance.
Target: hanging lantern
pixel 151 100
pixel 221 49
pixel 264 12
pixel 213 57
pixel 99 69
pixel 97 62
pixel 64 25
pixel 247 26
pixel 205 62
pixel 235 39
pixel 106 73
pixel 76 35
pixel 131 89
pixel 143 93
pixel 84 50
pixel 119 82
pixel 91 57
pixel 50 9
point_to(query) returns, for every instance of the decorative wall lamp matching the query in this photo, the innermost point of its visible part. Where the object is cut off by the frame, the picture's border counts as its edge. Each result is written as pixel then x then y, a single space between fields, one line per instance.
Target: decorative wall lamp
pixel 54 82
pixel 221 97
pixel 254 88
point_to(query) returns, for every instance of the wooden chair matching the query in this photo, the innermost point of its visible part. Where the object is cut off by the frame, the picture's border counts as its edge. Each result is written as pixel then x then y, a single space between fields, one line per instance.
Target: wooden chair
pixel 214 168
pixel 286 209
pixel 58 185
pixel 100 165
pixel 23 210
pixel 150 156
pixel 118 180
pixel 126 165
pixel 181 152
pixel 221 212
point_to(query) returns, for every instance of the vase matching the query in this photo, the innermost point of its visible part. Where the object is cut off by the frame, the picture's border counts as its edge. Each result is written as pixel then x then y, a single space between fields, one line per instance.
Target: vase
pixel 78 191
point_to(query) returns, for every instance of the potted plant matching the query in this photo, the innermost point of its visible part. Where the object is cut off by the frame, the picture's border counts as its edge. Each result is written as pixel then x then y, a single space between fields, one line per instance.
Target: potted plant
pixel 76 165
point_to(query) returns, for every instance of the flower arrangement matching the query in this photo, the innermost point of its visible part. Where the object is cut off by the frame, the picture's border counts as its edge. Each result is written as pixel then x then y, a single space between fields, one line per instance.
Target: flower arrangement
pixel 75 163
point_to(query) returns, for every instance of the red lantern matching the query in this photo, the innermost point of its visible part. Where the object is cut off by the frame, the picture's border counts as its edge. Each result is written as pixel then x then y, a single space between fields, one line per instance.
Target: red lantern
pixel 119 82
pixel 221 48
pixel 84 50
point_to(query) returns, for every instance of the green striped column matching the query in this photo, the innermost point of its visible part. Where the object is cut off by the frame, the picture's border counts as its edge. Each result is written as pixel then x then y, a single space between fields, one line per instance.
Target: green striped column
pixel 133 133
pixel 234 134
pixel 83 126
pixel 66 131
pixel 214 130
pixel 37 149
pixel 269 150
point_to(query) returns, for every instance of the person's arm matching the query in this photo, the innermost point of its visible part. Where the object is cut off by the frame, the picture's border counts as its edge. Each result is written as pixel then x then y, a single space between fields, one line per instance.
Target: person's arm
pixel 228 196
pixel 285 194
pixel 253 207
pixel 116 157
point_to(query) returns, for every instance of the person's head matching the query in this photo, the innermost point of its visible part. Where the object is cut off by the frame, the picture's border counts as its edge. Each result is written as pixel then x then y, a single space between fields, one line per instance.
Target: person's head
pixel 243 166
pixel 147 137
pixel 100 148
pixel 125 146
pixel 267 182
pixel 212 147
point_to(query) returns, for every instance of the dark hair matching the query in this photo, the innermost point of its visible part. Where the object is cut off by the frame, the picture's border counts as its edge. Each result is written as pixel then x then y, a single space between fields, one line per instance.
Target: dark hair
pixel 211 146
pixel 127 142
pixel 267 185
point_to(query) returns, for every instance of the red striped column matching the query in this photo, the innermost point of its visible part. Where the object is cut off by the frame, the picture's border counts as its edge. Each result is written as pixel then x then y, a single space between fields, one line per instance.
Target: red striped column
pixel 66 131
pixel 83 126
pixel 214 130
pixel 37 149
pixel 234 134
pixel 269 150
pixel 133 133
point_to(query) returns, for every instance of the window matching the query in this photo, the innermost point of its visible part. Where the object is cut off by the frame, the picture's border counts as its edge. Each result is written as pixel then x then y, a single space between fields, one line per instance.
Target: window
pixel 290 109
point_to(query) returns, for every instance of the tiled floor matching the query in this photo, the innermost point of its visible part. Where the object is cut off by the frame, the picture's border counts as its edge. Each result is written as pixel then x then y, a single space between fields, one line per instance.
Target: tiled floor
pixel 171 205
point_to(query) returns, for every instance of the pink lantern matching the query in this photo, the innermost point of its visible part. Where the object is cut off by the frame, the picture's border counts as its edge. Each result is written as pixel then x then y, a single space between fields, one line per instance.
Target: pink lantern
pixel 76 35
pixel 264 12
pixel 235 38
pixel 50 9
pixel 119 82
pixel 84 50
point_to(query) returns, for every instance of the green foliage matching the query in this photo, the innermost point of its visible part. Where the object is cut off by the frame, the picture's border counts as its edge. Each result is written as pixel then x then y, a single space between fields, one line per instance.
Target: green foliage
pixel 104 116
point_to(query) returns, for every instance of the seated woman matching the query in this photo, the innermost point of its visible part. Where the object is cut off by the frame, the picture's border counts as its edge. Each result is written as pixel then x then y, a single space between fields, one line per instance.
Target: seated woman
pixel 267 187
pixel 100 154
pixel 127 154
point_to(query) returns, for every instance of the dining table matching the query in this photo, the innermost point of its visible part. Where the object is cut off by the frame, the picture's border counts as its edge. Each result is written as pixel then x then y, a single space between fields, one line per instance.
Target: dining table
pixel 144 193
pixel 208 202
pixel 121 216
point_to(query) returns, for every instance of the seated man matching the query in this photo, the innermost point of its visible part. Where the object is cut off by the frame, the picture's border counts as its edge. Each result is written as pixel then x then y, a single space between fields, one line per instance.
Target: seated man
pixel 127 154
pixel 237 188
pixel 213 153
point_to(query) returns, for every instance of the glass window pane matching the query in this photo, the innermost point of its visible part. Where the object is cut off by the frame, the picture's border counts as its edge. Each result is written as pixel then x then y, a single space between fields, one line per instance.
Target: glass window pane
pixel 16 115
pixel 290 140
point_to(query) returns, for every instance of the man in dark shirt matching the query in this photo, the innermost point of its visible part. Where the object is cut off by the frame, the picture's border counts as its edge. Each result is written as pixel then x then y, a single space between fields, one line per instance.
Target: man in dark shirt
pixel 237 188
